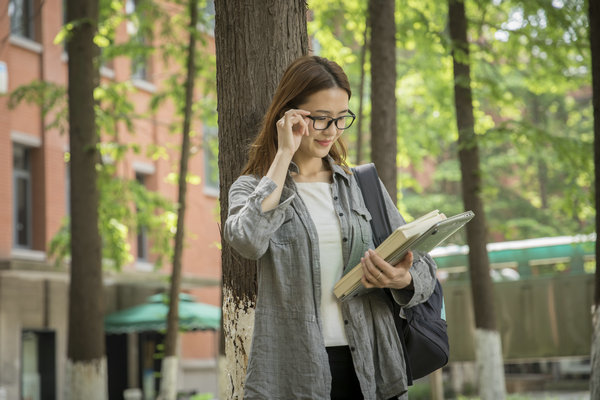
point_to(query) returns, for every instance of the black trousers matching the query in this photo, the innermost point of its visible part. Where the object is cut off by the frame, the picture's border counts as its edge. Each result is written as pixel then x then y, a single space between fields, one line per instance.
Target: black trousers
pixel 344 383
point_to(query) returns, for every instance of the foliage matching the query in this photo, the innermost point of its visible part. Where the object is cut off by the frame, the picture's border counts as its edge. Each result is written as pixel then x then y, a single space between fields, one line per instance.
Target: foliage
pixel 50 97
pixel 118 219
pixel 531 94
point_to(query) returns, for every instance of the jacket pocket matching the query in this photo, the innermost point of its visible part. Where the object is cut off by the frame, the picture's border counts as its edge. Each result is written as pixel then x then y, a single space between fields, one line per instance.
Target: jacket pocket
pixel 288 231
pixel 363 220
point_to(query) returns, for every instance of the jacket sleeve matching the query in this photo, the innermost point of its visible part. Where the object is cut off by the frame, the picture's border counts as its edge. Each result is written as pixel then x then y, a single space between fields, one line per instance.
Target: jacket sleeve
pixel 423 268
pixel 248 229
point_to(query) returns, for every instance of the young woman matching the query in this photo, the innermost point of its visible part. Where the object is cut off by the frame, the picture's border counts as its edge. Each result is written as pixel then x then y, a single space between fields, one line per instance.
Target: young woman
pixel 298 210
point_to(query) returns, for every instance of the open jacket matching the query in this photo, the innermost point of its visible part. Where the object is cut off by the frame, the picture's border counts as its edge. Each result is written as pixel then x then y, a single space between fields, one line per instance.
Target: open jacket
pixel 288 359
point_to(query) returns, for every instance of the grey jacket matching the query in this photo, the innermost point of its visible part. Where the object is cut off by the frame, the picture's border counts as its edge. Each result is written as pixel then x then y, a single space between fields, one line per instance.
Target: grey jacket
pixel 288 359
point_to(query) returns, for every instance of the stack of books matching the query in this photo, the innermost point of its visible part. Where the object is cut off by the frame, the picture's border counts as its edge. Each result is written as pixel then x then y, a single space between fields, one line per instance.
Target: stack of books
pixel 420 235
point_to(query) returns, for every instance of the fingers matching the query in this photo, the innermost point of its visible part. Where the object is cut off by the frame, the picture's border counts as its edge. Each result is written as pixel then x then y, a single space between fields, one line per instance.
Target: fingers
pixel 373 276
pixel 378 273
pixel 294 119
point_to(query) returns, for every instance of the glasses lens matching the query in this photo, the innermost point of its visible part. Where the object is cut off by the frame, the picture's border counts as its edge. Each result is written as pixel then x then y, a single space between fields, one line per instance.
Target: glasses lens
pixel 345 122
pixel 321 123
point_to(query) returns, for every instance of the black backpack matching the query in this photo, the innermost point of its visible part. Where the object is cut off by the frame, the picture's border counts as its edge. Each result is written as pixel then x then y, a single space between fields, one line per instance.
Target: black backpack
pixel 423 333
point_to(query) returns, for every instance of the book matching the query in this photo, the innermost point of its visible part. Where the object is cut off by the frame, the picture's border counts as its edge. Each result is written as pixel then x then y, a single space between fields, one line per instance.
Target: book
pixel 420 236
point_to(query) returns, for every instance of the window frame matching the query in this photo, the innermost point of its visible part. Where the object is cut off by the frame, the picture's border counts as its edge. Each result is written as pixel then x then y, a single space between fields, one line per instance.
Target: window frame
pixel 141 66
pixel 142 232
pixel 29 31
pixel 26 175
pixel 209 133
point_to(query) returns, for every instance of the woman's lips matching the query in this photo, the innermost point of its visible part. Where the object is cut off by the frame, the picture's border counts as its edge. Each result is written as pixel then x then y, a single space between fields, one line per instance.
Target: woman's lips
pixel 324 143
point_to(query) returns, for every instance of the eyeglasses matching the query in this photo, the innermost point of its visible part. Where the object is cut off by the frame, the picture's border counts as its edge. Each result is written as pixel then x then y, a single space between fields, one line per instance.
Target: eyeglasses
pixel 323 123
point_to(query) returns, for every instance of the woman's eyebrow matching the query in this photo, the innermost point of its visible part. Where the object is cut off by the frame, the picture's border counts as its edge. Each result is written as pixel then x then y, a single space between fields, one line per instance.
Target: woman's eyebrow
pixel 329 112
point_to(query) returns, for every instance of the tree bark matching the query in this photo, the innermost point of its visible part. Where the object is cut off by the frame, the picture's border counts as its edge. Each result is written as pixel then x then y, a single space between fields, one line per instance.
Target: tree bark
pixel 86 361
pixel 361 93
pixel 594 16
pixel 488 346
pixel 383 92
pixel 542 169
pixel 168 387
pixel 255 41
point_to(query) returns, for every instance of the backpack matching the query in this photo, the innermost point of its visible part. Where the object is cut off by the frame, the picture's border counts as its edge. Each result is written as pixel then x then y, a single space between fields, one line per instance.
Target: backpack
pixel 423 333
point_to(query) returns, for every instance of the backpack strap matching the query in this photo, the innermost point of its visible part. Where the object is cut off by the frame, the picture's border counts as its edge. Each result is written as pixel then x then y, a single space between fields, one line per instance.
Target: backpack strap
pixel 368 181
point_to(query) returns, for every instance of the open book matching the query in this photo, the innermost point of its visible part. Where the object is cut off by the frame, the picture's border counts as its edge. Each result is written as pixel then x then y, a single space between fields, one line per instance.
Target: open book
pixel 420 236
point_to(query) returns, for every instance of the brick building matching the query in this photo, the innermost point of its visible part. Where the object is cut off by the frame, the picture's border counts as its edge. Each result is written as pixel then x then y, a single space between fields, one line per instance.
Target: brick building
pixel 34 189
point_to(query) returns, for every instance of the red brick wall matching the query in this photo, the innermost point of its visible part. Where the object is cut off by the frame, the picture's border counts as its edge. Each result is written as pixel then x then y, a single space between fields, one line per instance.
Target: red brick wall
pixel 201 255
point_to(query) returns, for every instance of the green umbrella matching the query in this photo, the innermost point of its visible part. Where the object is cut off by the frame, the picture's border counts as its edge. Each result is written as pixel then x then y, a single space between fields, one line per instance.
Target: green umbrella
pixel 152 316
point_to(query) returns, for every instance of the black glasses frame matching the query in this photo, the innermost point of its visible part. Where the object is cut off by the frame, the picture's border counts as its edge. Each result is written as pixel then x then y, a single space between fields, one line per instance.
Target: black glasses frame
pixel 333 120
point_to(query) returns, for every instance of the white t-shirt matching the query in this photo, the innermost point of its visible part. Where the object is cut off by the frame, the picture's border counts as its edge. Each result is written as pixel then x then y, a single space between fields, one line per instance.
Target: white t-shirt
pixel 319 201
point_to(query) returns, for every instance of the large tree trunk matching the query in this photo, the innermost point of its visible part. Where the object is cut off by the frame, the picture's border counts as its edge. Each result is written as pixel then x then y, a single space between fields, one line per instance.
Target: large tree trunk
pixel 361 93
pixel 537 117
pixel 594 15
pixel 86 361
pixel 383 92
pixel 168 388
pixel 488 348
pixel 255 41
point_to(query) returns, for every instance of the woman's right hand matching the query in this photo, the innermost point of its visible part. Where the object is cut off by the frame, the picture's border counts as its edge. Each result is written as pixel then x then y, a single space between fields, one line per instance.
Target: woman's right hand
pixel 290 129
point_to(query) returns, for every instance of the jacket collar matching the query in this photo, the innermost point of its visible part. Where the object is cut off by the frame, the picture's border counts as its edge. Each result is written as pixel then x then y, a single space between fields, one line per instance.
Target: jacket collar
pixel 337 170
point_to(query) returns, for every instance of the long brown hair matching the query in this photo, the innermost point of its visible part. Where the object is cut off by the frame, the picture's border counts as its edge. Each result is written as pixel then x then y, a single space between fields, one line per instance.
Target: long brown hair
pixel 302 78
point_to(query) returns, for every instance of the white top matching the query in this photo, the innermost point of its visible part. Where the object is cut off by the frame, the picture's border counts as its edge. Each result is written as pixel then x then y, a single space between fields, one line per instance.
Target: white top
pixel 319 201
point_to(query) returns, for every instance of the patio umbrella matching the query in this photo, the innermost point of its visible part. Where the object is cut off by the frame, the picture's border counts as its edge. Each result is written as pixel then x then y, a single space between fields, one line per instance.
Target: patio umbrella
pixel 152 316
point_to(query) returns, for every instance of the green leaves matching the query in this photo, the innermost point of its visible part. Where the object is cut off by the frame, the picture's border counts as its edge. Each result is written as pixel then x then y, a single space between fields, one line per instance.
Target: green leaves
pixel 531 93
pixel 119 221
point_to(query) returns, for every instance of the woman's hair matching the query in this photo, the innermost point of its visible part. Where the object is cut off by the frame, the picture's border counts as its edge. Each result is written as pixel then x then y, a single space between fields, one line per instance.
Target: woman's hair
pixel 304 77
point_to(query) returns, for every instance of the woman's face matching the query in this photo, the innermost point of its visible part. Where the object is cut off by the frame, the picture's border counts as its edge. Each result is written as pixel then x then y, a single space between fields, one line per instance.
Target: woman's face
pixel 328 103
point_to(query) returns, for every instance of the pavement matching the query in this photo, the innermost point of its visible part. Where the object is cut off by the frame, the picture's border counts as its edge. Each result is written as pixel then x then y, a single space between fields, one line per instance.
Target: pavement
pixel 555 395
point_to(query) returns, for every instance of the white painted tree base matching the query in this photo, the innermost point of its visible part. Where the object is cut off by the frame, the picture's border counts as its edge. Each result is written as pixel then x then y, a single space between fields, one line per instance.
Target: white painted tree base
pixel 168 374
pixel 490 368
pixel 86 380
pixel 595 374
pixel 238 326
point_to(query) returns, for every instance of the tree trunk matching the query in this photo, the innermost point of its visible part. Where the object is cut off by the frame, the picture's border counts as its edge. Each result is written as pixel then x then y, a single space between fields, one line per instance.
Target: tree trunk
pixel 383 92
pixel 86 361
pixel 594 15
pixel 488 346
pixel 361 94
pixel 539 122
pixel 255 41
pixel 168 387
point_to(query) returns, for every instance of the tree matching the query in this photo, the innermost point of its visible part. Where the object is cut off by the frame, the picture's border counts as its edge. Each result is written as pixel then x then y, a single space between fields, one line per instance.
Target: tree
pixel 86 361
pixel 594 17
pixel 253 46
pixel 361 94
pixel 488 346
pixel 169 362
pixel 383 92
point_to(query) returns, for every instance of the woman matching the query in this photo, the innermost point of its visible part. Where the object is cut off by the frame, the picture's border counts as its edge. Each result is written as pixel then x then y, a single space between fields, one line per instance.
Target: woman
pixel 298 210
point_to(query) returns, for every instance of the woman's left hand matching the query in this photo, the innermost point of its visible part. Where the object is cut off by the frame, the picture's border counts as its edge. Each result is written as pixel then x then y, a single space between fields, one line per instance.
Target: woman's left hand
pixel 378 273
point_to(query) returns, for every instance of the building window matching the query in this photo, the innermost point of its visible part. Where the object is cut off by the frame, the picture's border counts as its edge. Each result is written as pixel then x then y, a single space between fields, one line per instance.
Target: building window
pixel 207 18
pixel 142 233
pixel 140 63
pixel 22 18
pixel 38 365
pixel 211 154
pixel 22 214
